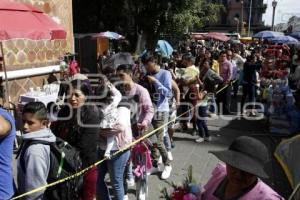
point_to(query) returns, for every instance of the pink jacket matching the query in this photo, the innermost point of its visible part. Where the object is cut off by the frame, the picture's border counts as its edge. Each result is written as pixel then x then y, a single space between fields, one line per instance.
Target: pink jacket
pixel 146 110
pixel 260 192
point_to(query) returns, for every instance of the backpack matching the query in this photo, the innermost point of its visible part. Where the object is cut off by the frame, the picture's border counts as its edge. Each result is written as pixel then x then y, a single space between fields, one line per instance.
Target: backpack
pixel 64 161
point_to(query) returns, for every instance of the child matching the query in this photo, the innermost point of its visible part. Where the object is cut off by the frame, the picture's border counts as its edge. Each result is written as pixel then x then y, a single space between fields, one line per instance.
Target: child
pixel 110 98
pixel 34 160
pixel 201 114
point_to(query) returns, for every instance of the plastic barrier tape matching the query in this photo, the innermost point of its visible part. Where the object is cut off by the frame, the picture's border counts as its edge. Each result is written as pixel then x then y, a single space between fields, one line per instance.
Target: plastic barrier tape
pixel 101 161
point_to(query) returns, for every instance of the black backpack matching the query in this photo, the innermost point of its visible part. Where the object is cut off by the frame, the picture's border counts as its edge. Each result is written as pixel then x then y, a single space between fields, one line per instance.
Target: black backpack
pixel 64 161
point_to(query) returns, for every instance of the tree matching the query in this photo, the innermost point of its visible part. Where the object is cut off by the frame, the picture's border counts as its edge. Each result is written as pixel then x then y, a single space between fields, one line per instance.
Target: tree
pixel 150 18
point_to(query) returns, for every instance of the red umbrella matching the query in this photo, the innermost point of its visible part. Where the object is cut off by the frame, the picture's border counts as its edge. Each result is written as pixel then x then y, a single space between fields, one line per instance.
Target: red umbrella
pixel 217 36
pixel 19 20
pixel 198 36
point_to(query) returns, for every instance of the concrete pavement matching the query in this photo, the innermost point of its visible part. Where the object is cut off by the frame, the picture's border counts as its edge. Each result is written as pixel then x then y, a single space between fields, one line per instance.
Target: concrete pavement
pixel 187 152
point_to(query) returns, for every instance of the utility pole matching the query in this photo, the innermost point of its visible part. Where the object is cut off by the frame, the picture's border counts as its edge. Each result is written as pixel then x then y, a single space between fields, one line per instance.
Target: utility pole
pixel 242 17
pixel 237 24
pixel 250 16
pixel 274 4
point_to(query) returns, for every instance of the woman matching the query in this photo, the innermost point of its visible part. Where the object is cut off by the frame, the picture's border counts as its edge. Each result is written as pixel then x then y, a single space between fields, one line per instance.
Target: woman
pixel 78 124
pixel 249 82
pixel 210 80
pixel 214 63
pixel 122 135
pixel 238 178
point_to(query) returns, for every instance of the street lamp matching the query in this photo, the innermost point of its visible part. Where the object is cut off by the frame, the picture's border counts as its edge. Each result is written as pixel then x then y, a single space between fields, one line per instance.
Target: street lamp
pixel 274 4
pixel 242 16
pixel 237 24
pixel 250 16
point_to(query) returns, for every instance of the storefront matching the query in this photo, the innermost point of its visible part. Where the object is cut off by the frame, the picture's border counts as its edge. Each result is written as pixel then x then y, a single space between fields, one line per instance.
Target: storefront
pixel 28 62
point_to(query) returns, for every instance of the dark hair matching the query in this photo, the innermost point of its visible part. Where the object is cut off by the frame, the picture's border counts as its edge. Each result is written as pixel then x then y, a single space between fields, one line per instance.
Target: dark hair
pixel 188 57
pixel 149 57
pixel 108 71
pixel 38 109
pixel 206 60
pixel 215 55
pixel 103 93
pixel 250 58
pixel 223 52
pixel 83 86
pixel 125 68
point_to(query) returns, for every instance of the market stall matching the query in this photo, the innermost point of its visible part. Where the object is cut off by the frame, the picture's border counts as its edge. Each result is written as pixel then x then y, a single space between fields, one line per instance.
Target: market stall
pixel 276 93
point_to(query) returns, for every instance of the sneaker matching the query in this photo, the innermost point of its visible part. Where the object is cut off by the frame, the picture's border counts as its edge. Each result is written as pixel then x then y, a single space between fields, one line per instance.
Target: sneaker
pixel 167 172
pixel 170 156
pixel 199 140
pixel 130 182
pixel 142 196
pixel 126 197
pixel 207 139
pixel 160 161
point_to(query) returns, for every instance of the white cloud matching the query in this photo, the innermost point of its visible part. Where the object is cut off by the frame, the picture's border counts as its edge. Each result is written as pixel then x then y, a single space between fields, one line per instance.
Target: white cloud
pixel 284 10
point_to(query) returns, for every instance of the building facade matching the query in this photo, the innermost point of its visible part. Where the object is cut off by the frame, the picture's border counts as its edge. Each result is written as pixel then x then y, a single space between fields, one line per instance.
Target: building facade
pixel 24 58
pixel 236 12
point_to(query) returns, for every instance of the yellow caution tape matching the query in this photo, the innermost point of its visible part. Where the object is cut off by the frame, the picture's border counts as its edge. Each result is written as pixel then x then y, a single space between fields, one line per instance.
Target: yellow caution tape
pixel 101 161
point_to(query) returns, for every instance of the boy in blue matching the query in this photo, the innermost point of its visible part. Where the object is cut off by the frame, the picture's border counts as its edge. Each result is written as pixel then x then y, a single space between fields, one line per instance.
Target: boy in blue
pixel 159 85
pixel 7 137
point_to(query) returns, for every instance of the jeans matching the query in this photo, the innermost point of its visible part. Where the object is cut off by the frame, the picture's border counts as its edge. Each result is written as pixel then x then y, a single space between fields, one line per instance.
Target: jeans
pixel 128 175
pixel 224 99
pixel 212 105
pixel 248 91
pixel 167 141
pixel 129 171
pixel 160 118
pixel 235 87
pixel 115 167
pixel 201 121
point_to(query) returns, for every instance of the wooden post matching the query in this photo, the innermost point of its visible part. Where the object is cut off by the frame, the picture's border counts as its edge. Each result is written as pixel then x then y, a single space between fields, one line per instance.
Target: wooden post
pixel 5 74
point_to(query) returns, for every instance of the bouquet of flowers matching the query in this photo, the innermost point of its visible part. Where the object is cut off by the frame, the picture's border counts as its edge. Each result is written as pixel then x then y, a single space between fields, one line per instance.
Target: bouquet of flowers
pixel 188 190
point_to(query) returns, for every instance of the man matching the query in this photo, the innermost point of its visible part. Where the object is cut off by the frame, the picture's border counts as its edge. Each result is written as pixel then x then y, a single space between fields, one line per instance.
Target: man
pixel 141 115
pixel 214 64
pixel 159 84
pixel 7 137
pixel 249 81
pixel 145 111
pixel 226 71
pixel 235 85
pixel 240 61
pixel 188 83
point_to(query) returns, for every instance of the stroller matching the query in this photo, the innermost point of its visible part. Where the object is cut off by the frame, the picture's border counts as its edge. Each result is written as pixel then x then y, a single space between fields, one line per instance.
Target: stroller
pixel 142 163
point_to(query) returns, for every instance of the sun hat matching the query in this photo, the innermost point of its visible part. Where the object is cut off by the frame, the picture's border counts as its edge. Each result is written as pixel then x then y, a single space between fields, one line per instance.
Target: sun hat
pixel 247 154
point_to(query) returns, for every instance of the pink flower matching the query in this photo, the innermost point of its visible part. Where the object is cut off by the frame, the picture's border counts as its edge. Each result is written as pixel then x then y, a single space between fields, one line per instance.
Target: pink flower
pixel 189 196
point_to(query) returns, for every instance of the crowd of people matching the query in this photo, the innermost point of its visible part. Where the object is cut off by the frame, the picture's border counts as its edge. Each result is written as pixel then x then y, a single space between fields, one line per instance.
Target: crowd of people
pixel 196 83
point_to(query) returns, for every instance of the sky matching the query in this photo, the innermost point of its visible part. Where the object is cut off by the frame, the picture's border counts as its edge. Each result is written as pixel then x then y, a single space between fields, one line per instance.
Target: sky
pixel 284 10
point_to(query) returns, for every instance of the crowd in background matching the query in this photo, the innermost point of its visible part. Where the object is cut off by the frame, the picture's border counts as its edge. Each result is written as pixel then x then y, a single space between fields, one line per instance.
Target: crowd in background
pixel 199 81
